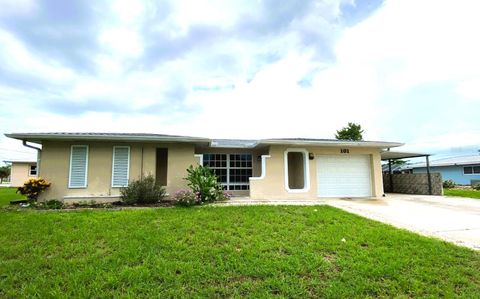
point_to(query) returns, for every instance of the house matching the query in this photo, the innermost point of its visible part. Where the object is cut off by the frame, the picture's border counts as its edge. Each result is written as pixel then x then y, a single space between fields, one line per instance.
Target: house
pixel 94 166
pixel 463 170
pixel 21 171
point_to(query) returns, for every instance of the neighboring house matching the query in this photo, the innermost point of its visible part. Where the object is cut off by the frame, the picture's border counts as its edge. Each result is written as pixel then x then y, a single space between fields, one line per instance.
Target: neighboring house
pixel 21 171
pixel 462 170
pixel 396 168
pixel 94 166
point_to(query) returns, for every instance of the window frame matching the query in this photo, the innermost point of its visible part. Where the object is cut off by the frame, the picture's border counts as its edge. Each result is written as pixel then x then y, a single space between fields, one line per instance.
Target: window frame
pixel 472 169
pixel 30 170
pixel 86 167
pixel 230 186
pixel 113 165
pixel 306 170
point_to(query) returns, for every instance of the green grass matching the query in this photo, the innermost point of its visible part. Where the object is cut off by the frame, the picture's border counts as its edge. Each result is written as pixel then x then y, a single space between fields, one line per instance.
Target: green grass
pixel 8 194
pixel 462 193
pixel 256 251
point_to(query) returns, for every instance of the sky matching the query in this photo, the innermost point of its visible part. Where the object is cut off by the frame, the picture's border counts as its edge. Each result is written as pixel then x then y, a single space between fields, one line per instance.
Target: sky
pixel 407 71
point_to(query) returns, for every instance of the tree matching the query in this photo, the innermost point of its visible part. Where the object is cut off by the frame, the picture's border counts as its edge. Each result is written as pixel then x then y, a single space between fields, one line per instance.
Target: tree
pixel 4 173
pixel 351 132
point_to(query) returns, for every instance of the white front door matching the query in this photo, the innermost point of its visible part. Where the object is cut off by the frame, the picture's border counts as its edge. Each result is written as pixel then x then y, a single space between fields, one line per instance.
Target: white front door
pixel 344 176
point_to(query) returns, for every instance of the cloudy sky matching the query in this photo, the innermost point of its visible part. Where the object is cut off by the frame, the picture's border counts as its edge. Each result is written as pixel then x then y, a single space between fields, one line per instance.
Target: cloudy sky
pixel 406 70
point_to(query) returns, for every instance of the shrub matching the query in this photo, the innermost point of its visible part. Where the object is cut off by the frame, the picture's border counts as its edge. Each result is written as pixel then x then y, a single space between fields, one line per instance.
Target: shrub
pixel 33 187
pixel 225 196
pixel 143 191
pixel 476 186
pixel 186 198
pixel 53 204
pixel 204 183
pixel 449 184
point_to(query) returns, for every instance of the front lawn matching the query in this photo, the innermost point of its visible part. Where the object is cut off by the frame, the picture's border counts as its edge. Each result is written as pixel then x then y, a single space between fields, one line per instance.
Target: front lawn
pixel 8 194
pixel 256 251
pixel 462 192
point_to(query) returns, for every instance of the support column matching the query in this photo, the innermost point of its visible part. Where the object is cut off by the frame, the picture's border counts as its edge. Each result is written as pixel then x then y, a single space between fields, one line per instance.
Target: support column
pixel 390 174
pixel 429 176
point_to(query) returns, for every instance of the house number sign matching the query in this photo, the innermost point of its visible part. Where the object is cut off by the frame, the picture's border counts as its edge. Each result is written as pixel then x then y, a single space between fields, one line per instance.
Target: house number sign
pixel 344 151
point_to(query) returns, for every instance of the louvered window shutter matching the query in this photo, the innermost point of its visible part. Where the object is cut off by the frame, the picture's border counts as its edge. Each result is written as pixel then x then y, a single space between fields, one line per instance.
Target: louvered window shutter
pixel 78 166
pixel 120 168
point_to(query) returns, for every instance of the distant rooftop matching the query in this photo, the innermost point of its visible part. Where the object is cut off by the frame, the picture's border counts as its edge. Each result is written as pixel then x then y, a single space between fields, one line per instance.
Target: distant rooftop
pixel 460 160
pixel 234 143
pixel 20 161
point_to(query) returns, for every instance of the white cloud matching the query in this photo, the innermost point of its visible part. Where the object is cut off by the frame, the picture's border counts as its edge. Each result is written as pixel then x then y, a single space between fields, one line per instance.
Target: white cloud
pixel 17 7
pixel 469 90
pixel 244 84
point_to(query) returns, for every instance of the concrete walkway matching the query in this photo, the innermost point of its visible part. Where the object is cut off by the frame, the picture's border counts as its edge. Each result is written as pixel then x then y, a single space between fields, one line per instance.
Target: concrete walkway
pixel 454 219
pixel 246 201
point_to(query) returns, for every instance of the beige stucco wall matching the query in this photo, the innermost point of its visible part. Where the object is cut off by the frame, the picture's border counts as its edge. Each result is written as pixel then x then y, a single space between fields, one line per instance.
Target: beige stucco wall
pixel 56 160
pixel 20 173
pixel 273 185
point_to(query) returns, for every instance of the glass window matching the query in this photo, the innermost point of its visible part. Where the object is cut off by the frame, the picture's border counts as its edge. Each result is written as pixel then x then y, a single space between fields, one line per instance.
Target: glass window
pixel 476 169
pixel 33 170
pixel 467 170
pixel 233 170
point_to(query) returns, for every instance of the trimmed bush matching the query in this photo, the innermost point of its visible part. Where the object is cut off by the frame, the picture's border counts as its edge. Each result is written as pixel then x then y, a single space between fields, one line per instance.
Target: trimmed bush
pixel 186 198
pixel 33 187
pixel 449 184
pixel 143 191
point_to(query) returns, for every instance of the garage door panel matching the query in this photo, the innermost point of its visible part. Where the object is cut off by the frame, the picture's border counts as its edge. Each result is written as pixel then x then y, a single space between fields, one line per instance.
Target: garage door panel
pixel 343 176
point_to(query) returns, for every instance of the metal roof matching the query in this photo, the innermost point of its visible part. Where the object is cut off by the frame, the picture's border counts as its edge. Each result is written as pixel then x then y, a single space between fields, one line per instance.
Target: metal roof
pixel 395 167
pixel 460 160
pixel 330 142
pixel 39 137
pixel 387 155
pixel 20 161
pixel 232 143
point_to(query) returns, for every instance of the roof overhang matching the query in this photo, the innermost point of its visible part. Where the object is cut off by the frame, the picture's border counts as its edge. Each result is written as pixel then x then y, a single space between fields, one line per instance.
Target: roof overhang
pixel 331 143
pixel 391 155
pixel 40 137
pixel 20 161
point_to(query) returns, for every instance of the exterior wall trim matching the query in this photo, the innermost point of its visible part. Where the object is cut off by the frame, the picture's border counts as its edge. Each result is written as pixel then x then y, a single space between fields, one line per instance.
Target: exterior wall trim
pixel 200 158
pixel 264 169
pixel 306 170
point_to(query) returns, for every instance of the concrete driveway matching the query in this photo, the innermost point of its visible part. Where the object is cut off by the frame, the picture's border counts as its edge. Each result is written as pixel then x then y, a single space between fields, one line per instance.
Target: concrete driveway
pixel 454 219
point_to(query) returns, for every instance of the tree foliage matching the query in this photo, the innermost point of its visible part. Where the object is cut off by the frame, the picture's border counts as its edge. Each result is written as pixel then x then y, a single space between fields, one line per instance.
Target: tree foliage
pixel 4 172
pixel 351 132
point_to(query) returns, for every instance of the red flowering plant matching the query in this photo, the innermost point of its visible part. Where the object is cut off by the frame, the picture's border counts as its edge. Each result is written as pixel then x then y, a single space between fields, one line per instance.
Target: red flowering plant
pixel 33 187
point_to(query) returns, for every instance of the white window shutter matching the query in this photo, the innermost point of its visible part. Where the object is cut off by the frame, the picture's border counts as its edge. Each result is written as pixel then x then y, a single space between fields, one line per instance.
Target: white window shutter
pixel 78 166
pixel 120 167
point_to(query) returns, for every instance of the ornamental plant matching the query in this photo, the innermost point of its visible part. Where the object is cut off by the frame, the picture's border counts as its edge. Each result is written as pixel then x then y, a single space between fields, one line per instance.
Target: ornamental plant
pixel 143 191
pixel 186 198
pixel 33 187
pixel 449 184
pixel 204 183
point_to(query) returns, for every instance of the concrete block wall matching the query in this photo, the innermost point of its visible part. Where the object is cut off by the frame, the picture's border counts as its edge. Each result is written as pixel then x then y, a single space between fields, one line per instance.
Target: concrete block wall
pixel 413 183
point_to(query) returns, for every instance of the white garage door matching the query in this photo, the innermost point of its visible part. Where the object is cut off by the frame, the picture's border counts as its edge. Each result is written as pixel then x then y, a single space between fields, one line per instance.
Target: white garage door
pixel 343 176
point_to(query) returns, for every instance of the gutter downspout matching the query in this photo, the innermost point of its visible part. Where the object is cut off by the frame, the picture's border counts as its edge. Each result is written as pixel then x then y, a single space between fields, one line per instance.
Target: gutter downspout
pixel 39 154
